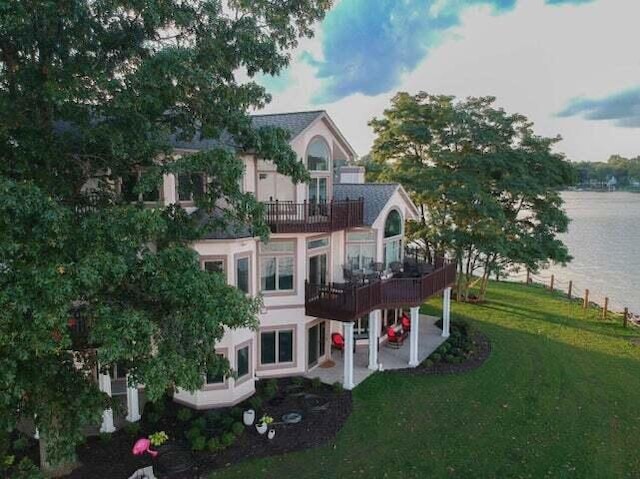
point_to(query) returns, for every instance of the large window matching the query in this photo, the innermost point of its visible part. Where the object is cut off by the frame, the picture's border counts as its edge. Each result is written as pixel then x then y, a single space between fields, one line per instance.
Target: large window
pixel 393 238
pixel 216 376
pixel 128 184
pixel 318 252
pixel 277 265
pixel 213 264
pixel 361 249
pixel 242 363
pixel 242 274
pixel 276 347
pixel 190 186
pixel 318 155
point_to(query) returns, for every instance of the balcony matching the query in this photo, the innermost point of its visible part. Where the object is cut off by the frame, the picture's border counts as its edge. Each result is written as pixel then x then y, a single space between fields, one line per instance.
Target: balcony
pixel 348 301
pixel 312 217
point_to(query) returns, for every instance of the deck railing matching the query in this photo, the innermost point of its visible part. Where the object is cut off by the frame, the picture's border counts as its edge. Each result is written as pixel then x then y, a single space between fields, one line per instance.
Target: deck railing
pixel 314 217
pixel 348 302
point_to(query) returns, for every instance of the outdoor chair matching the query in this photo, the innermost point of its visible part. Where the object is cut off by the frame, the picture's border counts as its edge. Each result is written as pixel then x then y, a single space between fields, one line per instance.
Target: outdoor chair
pixel 394 339
pixel 396 267
pixel 357 276
pixel 406 323
pixel 337 341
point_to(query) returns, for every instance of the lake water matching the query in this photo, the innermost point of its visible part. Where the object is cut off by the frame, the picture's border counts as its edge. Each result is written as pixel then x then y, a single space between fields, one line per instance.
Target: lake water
pixel 604 240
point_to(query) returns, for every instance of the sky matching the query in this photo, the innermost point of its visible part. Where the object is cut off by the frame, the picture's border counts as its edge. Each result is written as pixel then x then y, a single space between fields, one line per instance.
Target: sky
pixel 571 66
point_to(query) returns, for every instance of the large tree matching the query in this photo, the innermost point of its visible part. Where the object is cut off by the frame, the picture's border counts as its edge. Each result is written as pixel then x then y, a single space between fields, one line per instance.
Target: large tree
pixel 91 91
pixel 486 185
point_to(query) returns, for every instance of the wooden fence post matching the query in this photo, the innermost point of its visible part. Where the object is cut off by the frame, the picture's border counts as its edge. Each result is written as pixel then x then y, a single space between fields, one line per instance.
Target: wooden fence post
pixel 626 317
pixel 552 281
pixel 606 306
pixel 528 276
pixel 585 304
pixel 570 289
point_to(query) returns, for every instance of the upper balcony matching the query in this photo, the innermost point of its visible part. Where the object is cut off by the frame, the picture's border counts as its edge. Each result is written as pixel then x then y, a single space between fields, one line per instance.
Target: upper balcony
pixel 314 217
pixel 409 287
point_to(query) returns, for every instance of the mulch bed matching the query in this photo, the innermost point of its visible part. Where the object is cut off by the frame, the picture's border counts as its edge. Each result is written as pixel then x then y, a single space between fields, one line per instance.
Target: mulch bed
pixel 323 409
pixel 480 354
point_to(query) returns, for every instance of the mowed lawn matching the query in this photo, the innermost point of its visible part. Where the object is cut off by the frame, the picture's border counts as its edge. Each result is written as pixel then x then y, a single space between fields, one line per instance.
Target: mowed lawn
pixel 559 397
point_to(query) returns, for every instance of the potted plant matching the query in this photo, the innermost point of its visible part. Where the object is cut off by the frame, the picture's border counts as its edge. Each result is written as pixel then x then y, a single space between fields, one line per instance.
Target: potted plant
pixel 248 417
pixel 271 434
pixel 263 424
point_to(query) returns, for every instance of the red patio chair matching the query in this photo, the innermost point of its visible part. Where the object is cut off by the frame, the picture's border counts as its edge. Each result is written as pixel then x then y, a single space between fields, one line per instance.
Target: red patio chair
pixel 337 341
pixel 406 323
pixel 394 339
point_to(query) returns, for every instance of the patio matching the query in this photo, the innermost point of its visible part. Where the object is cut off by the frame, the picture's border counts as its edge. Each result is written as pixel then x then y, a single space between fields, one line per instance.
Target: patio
pixel 429 338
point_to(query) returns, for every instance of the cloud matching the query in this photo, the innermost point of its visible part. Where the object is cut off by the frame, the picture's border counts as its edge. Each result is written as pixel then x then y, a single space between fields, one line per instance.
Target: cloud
pixel 565 2
pixel 368 45
pixel 623 108
pixel 276 83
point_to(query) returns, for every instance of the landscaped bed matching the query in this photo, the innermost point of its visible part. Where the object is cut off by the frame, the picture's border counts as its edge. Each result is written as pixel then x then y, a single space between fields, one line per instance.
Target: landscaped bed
pixel 200 441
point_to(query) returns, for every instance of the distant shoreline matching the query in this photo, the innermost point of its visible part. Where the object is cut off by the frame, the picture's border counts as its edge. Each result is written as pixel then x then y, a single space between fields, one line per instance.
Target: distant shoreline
pixel 601 190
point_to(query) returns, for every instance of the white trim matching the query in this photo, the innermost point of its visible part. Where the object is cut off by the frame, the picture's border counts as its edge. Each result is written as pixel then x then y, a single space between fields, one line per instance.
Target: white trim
pixel 413 337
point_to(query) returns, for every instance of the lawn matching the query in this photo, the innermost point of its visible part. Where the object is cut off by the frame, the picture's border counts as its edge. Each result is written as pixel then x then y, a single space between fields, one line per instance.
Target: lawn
pixel 559 397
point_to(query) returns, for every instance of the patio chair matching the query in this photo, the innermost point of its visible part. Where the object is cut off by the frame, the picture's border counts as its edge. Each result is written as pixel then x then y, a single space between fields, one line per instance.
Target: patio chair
pixel 406 323
pixel 357 276
pixel 394 339
pixel 337 341
pixel 396 267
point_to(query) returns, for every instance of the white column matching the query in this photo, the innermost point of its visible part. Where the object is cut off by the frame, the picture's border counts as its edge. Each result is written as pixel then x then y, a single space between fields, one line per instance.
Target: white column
pixel 413 337
pixel 104 383
pixel 133 404
pixel 446 312
pixel 347 381
pixel 374 332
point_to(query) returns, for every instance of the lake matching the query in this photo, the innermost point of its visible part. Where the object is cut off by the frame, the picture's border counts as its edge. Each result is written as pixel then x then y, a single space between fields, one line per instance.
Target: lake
pixel 604 240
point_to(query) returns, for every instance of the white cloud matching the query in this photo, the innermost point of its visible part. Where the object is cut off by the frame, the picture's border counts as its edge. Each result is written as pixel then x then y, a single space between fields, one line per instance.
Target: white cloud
pixel 533 59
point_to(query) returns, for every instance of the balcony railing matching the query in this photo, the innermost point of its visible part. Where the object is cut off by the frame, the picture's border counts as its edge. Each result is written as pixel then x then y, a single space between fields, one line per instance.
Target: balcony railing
pixel 313 217
pixel 348 302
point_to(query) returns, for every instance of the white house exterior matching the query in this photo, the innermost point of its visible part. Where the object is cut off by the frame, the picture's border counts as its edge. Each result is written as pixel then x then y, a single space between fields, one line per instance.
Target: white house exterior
pixel 318 227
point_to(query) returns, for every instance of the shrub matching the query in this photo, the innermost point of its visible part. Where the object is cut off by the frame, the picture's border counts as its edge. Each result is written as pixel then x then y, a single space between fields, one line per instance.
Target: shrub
pixel 153 417
pixel 27 470
pixel 270 389
pixel 200 423
pixel 316 383
pixel 184 414
pixel 105 436
pixel 237 428
pixel 213 417
pixel 298 380
pixel 192 433
pixel 236 412
pixel 198 443
pixel 20 444
pixel 338 388
pixel 428 363
pixel 158 438
pixel 435 357
pixel 255 403
pixel 213 445
pixel 227 439
pixel 226 422
pixel 132 428
pixel 449 358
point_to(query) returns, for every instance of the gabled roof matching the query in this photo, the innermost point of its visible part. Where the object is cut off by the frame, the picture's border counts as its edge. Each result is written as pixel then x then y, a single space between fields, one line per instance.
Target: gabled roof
pixel 376 196
pixel 295 122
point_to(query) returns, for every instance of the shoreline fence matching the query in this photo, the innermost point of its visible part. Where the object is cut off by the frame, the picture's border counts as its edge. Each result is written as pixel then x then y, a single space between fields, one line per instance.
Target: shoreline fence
pixel 588 297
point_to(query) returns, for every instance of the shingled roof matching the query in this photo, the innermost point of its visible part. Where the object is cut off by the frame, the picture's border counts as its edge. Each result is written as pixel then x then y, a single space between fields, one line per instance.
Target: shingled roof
pixel 294 123
pixel 376 196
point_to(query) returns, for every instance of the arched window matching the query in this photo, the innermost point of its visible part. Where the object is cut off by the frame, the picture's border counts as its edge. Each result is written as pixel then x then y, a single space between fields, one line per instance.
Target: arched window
pixel 393 225
pixel 318 155
pixel 393 238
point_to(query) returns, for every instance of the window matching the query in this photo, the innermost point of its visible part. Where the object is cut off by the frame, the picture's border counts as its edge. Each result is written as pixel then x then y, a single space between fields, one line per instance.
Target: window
pixel 213 265
pixel 318 243
pixel 242 274
pixel 276 346
pixel 393 238
pixel 128 184
pixel 361 249
pixel 318 155
pixel 277 266
pixel 242 362
pixel 216 375
pixel 190 186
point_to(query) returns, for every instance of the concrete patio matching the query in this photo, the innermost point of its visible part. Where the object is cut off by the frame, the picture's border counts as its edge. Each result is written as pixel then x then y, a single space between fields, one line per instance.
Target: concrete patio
pixel 430 337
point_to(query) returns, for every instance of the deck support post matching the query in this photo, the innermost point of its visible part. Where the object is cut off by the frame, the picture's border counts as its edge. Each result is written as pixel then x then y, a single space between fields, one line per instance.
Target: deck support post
pixel 413 337
pixel 104 383
pixel 446 312
pixel 347 380
pixel 133 402
pixel 374 332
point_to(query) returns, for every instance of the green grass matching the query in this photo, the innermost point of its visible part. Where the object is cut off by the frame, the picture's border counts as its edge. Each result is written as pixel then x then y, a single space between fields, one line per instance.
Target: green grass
pixel 559 397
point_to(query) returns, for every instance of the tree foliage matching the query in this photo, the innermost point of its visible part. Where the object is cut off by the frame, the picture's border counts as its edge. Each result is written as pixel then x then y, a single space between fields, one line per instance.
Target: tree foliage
pixel 626 171
pixel 91 91
pixel 486 185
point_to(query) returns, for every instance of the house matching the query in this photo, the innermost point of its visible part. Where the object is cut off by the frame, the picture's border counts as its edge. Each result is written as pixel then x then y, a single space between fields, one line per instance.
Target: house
pixel 325 233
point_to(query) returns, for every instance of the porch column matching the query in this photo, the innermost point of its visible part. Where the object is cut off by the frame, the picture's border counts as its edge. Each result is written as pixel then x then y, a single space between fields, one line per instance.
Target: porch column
pixel 347 329
pixel 374 333
pixel 104 383
pixel 413 337
pixel 446 312
pixel 133 404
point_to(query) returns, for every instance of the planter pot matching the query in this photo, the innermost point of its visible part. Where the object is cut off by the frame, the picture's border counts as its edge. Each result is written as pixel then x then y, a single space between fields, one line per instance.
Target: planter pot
pixel 271 434
pixel 248 417
pixel 261 428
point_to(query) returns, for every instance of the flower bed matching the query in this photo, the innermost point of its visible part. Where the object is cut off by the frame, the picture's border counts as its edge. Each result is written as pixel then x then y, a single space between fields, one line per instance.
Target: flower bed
pixel 206 440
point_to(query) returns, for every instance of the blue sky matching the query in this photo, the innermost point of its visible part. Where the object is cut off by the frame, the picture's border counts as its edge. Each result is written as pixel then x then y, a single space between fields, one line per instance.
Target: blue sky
pixel 573 66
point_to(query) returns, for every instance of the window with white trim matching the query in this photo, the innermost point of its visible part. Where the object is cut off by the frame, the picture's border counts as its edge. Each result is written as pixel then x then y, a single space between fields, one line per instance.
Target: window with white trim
pixel 216 375
pixel 361 249
pixel 128 184
pixel 242 362
pixel 392 246
pixel 243 274
pixel 276 347
pixel 277 266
